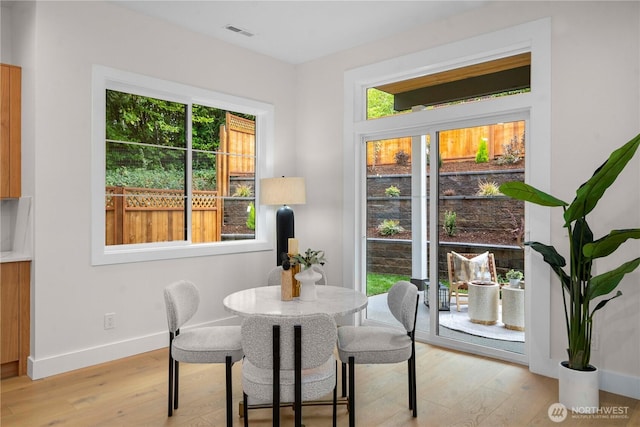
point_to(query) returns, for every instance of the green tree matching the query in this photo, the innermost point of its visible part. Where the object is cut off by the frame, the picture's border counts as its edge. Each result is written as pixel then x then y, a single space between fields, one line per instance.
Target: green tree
pixel 482 156
pixel 379 104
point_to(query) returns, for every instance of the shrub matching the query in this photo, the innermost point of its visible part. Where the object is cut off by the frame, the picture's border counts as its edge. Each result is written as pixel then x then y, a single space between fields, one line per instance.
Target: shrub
pixel 450 223
pixel 518 227
pixel 482 156
pixel 449 192
pixel 389 227
pixel 514 274
pixel 402 158
pixel 392 191
pixel 513 151
pixel 171 179
pixel 251 217
pixel 243 190
pixel 487 188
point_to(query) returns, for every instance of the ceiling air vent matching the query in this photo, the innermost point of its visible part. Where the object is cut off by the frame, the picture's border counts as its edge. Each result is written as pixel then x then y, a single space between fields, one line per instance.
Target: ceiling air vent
pixel 239 30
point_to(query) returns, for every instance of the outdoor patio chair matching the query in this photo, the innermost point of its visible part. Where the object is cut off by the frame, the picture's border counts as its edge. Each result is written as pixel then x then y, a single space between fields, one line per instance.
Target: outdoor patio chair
pixel 464 268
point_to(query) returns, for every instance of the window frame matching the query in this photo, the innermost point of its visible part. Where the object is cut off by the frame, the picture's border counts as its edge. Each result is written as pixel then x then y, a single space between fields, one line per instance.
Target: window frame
pixel 104 78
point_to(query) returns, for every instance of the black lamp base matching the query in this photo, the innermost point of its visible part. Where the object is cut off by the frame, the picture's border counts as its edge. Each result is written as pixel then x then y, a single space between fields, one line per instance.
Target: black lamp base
pixel 284 231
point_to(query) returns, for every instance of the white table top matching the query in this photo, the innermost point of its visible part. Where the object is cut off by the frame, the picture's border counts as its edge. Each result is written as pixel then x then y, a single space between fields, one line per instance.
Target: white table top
pixel 334 300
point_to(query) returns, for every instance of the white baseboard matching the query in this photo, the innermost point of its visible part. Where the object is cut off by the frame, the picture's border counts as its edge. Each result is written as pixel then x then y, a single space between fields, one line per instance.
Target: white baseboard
pixel 53 365
pixel 624 385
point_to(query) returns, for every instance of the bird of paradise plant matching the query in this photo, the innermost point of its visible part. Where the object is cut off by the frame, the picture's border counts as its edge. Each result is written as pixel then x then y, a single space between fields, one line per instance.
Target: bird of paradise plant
pixel 580 288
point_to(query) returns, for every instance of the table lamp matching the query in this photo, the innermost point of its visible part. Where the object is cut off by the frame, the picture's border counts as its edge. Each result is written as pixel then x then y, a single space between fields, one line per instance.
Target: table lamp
pixel 283 191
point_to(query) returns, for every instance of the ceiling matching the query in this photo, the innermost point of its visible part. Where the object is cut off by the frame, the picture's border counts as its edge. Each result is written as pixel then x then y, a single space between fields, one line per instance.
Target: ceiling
pixel 300 31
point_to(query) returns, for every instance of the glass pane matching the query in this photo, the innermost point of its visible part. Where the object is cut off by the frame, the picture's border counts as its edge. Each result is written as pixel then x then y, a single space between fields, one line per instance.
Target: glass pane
pixel 476 222
pixel 472 83
pixel 388 245
pixel 146 154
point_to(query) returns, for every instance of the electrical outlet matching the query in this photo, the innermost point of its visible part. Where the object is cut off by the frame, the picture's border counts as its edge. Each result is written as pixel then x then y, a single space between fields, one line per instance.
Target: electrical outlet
pixel 109 320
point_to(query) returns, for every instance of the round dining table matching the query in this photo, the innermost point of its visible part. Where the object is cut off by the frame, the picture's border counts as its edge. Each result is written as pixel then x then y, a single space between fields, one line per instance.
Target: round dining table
pixel 266 300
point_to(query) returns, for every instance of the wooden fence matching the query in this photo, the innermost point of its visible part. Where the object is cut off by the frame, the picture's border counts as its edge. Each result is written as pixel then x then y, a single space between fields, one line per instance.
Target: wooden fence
pixel 455 145
pixel 143 215
pixel 237 150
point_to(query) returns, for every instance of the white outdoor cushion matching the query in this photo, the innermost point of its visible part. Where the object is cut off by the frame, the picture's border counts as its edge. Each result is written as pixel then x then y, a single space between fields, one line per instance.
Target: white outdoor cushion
pixel 469 269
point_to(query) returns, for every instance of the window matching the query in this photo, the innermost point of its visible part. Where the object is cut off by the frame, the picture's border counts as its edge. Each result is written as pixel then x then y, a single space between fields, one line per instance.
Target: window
pixel 505 76
pixel 175 170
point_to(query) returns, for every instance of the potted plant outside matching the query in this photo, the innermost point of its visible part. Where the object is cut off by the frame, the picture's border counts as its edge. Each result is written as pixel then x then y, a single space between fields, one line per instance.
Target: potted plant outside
pixel 580 287
pixel 514 277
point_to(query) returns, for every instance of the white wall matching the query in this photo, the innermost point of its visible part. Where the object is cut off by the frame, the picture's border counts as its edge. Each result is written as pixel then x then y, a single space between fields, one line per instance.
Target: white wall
pixel 70 297
pixel 595 108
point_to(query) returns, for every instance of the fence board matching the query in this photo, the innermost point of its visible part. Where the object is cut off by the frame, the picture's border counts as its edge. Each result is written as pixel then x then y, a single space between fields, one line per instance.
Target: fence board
pixel 141 215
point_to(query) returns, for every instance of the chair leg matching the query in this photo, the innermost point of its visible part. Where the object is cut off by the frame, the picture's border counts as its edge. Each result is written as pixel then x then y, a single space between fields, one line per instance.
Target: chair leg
pixel 176 371
pixel 352 394
pixel 229 390
pixel 245 409
pixel 344 379
pixel 170 391
pixel 276 377
pixel 410 383
pixel 413 383
pixel 335 398
pixel 298 374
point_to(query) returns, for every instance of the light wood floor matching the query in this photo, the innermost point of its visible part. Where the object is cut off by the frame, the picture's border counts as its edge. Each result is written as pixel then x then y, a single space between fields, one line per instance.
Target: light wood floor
pixel 454 389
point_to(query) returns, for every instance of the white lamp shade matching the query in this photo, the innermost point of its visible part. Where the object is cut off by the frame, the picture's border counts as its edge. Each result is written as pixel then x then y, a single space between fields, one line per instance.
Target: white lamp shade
pixel 282 191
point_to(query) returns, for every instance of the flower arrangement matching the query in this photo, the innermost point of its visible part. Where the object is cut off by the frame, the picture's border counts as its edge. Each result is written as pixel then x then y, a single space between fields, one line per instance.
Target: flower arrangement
pixel 309 258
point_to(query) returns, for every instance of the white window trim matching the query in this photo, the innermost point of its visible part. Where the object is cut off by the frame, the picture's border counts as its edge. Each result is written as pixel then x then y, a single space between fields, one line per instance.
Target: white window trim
pixel 104 78
pixel 534 37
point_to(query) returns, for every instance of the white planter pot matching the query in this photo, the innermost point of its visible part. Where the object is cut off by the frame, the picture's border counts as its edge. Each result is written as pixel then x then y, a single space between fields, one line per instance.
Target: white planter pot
pixel 579 390
pixel 514 283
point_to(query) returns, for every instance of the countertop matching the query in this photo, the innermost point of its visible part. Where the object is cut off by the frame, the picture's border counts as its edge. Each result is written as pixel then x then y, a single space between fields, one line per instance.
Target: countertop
pixel 11 256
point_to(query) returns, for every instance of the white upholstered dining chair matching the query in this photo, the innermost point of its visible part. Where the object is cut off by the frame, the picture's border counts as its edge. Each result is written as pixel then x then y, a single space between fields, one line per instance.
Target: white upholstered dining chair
pixel 381 344
pixel 288 359
pixel 212 344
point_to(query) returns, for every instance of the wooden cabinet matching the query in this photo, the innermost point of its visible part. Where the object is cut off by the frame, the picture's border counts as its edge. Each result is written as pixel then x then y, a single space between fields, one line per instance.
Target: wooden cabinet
pixel 10 130
pixel 15 286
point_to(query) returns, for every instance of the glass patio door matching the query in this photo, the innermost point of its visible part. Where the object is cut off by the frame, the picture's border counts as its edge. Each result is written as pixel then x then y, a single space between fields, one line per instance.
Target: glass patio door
pixel 464 167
